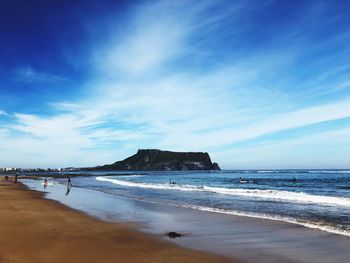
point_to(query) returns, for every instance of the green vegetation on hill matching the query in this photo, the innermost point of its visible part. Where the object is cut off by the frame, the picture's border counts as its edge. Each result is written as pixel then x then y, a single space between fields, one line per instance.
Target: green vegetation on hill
pixel 153 159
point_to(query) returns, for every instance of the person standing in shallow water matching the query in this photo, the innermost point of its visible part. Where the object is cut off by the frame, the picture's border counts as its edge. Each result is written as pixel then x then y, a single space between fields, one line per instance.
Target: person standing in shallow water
pixel 69 185
pixel 45 183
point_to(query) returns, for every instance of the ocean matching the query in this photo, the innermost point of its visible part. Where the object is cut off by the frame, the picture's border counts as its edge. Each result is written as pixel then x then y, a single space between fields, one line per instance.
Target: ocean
pixel 312 198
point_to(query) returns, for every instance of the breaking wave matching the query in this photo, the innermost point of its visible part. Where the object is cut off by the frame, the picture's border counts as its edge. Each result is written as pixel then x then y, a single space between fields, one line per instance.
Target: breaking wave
pixel 288 196
pixel 314 225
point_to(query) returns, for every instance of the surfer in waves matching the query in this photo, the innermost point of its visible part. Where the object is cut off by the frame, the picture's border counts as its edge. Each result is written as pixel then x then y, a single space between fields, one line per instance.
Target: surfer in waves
pixel 171 182
pixel 244 181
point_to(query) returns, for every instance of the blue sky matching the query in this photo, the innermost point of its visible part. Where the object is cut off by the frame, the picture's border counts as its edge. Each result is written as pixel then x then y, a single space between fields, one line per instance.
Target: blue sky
pixel 257 84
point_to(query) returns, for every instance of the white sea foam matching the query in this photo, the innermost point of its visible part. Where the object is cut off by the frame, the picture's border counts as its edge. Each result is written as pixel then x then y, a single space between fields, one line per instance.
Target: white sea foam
pixel 305 171
pixel 48 184
pixel 131 175
pixel 314 225
pixel 331 171
pixel 296 197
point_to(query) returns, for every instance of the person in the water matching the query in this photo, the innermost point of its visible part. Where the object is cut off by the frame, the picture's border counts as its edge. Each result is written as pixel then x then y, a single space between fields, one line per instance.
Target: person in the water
pixel 69 185
pixel 45 183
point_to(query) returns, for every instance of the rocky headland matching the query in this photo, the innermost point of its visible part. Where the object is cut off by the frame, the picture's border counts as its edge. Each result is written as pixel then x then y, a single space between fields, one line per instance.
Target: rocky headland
pixel 157 160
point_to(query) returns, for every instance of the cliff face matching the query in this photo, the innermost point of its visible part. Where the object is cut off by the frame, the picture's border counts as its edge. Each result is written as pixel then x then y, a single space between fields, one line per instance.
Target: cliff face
pixel 164 160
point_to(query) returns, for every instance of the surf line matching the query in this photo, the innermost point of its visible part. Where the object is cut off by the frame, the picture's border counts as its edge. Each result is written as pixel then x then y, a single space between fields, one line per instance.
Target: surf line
pixel 297 197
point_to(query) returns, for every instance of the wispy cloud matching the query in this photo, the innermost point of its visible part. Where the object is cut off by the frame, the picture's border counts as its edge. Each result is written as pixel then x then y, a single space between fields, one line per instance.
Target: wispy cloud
pixel 144 50
pixel 28 74
pixel 299 152
pixel 163 82
pixel 277 122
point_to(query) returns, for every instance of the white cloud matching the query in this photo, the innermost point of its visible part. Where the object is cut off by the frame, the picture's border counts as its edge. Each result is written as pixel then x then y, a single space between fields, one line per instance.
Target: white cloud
pixel 43 142
pixel 158 34
pixel 155 35
pixel 144 51
pixel 4 113
pixel 134 102
pixel 318 150
pixel 276 122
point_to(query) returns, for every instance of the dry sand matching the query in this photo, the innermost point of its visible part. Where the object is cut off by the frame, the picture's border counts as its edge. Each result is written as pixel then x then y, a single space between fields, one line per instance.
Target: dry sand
pixel 33 229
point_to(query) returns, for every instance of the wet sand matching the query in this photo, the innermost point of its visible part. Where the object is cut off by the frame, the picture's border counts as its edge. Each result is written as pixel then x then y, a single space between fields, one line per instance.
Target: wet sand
pixel 34 229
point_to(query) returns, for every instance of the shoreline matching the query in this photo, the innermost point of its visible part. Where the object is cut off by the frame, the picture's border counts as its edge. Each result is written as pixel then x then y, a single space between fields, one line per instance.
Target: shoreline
pixel 237 237
pixel 323 227
pixel 313 225
pixel 33 227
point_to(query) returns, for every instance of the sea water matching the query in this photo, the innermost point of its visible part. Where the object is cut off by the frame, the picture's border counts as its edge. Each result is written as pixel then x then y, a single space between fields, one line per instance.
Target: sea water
pixel 313 198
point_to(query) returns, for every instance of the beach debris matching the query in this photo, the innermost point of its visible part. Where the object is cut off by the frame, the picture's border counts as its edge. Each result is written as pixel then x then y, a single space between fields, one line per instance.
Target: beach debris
pixel 173 235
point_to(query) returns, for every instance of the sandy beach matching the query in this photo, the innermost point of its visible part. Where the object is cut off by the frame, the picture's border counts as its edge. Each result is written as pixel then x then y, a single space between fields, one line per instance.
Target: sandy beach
pixel 40 224
pixel 33 229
